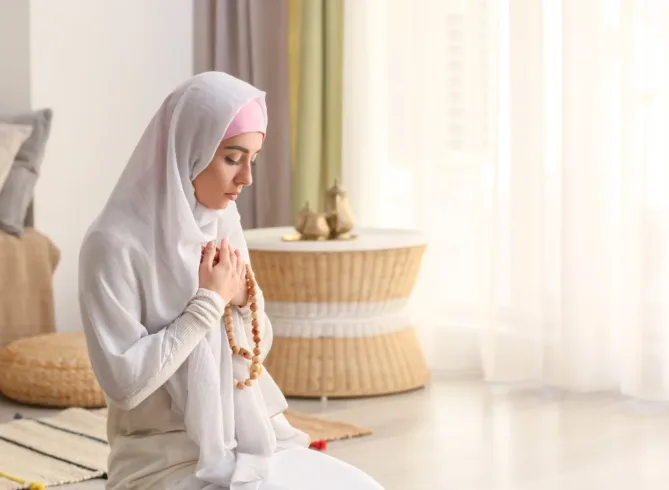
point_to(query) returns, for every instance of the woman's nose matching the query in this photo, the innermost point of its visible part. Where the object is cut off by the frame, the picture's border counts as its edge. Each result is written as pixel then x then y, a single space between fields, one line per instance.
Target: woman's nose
pixel 245 177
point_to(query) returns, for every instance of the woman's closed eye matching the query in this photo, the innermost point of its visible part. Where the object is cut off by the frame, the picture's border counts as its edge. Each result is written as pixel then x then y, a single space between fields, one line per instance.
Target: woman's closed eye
pixel 239 160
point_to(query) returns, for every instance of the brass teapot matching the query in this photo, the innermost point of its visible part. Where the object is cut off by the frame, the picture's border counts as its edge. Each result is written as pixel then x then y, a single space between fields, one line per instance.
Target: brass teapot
pixel 338 213
pixel 311 225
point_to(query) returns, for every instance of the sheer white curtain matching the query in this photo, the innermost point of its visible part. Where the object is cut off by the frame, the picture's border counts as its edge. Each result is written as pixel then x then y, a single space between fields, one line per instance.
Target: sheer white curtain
pixel 528 140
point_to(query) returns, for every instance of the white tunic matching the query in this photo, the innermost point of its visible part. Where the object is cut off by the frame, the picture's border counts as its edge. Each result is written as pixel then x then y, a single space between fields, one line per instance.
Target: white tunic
pixel 150 449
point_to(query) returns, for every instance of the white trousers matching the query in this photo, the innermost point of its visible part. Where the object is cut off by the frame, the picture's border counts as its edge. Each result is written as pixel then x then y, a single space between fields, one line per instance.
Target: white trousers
pixel 301 469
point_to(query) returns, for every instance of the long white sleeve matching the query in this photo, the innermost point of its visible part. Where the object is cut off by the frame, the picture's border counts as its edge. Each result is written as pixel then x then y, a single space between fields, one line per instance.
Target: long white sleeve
pixel 129 362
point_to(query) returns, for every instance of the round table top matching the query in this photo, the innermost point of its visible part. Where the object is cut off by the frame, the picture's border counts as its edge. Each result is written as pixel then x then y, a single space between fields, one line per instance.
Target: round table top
pixel 271 239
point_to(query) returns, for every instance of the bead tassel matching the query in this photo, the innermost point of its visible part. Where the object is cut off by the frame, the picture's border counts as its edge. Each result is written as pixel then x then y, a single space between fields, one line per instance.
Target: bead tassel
pixel 256 364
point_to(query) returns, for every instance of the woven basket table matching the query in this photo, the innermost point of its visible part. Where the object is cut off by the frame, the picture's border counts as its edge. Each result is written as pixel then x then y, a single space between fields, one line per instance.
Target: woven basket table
pixel 338 312
pixel 50 370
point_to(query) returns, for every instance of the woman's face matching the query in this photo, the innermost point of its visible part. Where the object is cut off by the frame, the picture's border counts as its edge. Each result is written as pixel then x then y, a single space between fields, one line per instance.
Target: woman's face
pixel 229 171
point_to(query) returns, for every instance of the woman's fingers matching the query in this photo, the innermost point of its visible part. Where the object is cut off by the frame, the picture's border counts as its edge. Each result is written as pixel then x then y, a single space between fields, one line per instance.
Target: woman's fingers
pixel 224 254
pixel 208 255
pixel 241 268
pixel 233 258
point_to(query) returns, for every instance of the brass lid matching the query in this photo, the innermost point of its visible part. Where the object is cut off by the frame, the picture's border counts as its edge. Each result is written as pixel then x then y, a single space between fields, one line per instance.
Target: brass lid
pixel 336 190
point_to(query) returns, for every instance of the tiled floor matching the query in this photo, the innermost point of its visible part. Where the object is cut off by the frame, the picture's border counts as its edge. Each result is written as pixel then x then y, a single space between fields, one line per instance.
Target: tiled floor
pixel 465 435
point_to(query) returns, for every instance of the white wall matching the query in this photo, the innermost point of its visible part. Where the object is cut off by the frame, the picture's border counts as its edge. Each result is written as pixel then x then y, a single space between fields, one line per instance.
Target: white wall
pixel 104 67
pixel 14 55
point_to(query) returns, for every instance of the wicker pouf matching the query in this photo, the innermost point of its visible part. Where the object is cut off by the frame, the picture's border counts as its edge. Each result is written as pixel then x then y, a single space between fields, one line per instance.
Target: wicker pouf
pixel 50 370
pixel 338 312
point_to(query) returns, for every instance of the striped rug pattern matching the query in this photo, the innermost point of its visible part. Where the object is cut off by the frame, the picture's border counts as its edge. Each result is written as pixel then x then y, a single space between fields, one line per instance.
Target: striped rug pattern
pixel 69 447
pixel 72 447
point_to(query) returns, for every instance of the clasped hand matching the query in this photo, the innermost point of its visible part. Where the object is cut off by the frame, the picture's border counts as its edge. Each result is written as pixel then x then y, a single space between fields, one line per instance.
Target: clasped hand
pixel 223 271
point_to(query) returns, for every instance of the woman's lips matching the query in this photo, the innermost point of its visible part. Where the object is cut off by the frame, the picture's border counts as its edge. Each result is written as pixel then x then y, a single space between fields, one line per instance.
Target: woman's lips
pixel 232 197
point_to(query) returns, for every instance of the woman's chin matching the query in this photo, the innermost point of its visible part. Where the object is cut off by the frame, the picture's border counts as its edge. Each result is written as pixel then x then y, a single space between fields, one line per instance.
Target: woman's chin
pixel 217 205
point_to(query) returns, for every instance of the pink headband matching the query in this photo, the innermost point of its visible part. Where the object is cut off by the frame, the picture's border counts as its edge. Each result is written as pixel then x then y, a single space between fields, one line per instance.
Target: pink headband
pixel 250 119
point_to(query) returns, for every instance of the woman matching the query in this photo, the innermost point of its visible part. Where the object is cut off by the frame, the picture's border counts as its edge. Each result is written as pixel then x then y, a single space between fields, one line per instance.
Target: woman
pixel 189 407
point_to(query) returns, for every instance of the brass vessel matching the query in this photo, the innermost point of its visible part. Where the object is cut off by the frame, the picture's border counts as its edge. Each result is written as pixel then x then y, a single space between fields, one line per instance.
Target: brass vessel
pixel 301 218
pixel 315 227
pixel 333 224
pixel 311 225
pixel 338 212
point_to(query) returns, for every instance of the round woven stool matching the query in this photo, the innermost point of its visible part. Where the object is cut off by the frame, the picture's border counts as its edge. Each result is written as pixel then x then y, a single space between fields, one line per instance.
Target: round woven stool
pixel 338 312
pixel 50 370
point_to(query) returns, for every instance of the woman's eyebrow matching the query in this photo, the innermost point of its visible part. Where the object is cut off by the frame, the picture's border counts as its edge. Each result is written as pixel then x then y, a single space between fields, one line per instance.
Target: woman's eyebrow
pixel 243 149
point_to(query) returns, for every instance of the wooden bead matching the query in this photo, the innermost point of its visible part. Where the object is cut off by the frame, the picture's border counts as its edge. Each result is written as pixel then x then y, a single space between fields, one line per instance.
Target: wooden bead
pixel 256 367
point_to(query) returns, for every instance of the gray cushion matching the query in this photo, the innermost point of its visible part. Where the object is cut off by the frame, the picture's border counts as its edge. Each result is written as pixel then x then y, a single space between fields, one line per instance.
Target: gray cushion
pixel 18 192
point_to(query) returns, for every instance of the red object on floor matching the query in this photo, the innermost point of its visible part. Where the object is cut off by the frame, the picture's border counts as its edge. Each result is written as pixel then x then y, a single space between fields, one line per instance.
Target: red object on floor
pixel 319 445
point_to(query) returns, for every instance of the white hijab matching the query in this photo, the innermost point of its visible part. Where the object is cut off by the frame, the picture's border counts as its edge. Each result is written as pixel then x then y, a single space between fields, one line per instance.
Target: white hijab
pixel 153 206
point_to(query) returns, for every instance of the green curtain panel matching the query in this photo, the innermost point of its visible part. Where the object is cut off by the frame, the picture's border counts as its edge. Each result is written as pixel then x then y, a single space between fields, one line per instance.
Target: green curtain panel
pixel 316 64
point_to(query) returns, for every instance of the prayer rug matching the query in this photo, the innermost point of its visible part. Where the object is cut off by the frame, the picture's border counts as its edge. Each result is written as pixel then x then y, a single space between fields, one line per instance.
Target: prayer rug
pixel 71 446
